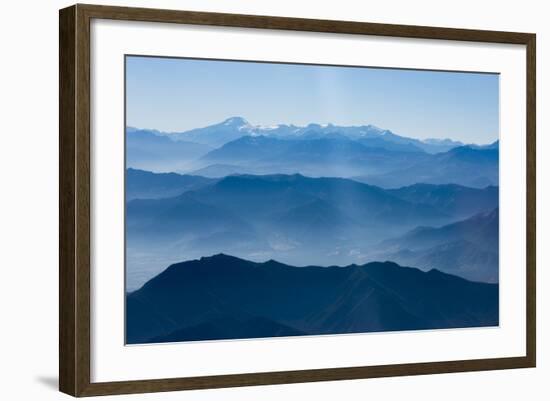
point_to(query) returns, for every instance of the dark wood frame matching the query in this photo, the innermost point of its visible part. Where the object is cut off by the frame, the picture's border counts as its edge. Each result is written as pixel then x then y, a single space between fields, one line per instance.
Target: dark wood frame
pixel 74 199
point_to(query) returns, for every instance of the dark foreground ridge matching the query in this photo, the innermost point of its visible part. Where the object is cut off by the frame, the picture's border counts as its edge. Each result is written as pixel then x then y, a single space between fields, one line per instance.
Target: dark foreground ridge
pixel 224 297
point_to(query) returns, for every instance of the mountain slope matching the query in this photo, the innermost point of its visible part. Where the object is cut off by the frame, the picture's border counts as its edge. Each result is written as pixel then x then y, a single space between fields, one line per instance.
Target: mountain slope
pixel 462 258
pixel 468 248
pixel 481 229
pixel 335 155
pixel 271 196
pixel 455 200
pixel 222 297
pixel 467 166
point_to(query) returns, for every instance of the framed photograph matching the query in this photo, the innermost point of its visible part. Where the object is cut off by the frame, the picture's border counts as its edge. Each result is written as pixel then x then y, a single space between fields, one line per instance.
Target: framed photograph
pixel 250 200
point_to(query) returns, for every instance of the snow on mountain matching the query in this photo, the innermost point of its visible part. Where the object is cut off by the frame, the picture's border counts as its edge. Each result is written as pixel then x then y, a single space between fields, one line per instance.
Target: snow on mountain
pixel 235 127
pixel 236 121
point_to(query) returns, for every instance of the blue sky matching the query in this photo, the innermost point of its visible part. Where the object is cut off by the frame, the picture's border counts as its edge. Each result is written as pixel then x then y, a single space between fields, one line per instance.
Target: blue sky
pixel 171 94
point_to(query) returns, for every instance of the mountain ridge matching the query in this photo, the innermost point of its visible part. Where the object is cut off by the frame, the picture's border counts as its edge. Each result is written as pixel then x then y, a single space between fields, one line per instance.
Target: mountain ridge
pixel 430 145
pixel 468 248
pixel 378 296
pixel 233 127
pixel 338 155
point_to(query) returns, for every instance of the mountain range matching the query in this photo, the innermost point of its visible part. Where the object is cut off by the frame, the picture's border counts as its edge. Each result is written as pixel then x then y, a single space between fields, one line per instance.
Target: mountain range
pixel 235 127
pixel 366 153
pixel 292 218
pixel 224 297
pixel 242 194
pixel 465 165
pixel 456 200
pixel 329 156
pixel 342 157
pixel 338 200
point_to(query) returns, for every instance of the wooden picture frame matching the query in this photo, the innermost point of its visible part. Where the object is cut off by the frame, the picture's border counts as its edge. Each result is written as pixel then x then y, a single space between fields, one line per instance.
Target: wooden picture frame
pixel 74 199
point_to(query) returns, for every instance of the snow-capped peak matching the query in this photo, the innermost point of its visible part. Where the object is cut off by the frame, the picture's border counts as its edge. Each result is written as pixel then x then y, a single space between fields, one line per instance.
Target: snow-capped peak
pixel 374 128
pixel 268 127
pixel 236 121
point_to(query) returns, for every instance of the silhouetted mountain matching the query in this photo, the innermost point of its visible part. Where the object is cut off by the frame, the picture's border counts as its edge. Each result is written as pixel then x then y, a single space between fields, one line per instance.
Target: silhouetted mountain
pixel 292 218
pixel 272 210
pixel 452 199
pixel 464 165
pixel 152 151
pixel 468 248
pixel 335 155
pixel 273 196
pixel 223 297
pixel 276 197
pixel 332 156
pixel 147 185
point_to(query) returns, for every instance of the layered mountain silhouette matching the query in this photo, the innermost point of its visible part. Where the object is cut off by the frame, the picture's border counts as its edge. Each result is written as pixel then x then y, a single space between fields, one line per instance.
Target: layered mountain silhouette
pixel 224 297
pixel 142 184
pixel 339 156
pixel 468 248
pixel 465 165
pixel 284 196
pixel 268 196
pixel 330 155
pixel 456 200
pixel 274 196
pixel 292 218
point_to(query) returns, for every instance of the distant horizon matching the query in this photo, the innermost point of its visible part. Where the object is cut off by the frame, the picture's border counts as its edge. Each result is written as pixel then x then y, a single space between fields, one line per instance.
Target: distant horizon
pixel 266 126
pixel 178 94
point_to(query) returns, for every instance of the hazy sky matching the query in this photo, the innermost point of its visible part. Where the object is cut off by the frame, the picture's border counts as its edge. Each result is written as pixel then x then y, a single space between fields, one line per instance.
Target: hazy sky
pixel 172 94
